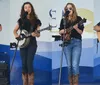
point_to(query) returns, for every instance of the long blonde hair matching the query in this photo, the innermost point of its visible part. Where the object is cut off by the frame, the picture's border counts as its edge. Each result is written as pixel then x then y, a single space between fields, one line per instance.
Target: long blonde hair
pixel 74 15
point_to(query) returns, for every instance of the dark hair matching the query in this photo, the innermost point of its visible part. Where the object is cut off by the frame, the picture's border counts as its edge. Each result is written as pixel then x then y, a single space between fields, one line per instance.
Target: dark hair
pixel 33 16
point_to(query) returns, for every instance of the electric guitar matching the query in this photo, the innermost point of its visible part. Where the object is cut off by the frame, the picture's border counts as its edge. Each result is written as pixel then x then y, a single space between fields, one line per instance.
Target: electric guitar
pixel 67 36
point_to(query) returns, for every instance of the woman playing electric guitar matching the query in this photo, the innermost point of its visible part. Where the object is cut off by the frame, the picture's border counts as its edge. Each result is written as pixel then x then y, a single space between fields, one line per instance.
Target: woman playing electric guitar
pixel 73 49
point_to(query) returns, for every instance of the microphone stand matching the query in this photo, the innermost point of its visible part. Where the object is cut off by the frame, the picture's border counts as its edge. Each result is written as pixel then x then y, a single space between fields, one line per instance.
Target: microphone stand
pixel 62 45
pixel 13 58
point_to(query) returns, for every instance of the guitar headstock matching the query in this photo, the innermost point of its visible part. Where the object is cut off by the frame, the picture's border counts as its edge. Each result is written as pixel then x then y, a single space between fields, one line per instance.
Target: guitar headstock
pixel 82 21
pixel 49 27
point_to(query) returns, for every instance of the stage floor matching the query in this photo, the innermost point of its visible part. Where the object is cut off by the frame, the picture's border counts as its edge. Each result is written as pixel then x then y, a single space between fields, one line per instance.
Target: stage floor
pixel 79 84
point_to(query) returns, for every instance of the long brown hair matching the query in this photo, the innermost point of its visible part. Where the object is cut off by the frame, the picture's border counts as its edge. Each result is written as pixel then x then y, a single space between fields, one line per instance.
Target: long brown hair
pixel 33 16
pixel 74 15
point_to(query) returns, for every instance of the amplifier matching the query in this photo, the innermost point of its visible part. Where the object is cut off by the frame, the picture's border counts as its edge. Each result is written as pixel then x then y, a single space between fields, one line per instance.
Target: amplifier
pixel 4 69
pixel 4 74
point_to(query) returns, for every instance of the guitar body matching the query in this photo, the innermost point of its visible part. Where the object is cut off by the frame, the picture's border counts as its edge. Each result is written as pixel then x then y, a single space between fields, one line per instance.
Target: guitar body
pixel 25 42
pixel 67 36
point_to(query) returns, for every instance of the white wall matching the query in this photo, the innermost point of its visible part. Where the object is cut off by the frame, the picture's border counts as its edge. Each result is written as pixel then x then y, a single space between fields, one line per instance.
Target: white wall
pixel 5 21
pixel 10 11
pixel 96 11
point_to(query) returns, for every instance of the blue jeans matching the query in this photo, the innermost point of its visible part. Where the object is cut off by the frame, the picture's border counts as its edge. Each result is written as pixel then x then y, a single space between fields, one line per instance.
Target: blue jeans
pixel 72 55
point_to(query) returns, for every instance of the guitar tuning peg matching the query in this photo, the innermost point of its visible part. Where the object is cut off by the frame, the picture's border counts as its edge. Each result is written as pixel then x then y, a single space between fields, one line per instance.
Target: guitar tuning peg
pixel 50 26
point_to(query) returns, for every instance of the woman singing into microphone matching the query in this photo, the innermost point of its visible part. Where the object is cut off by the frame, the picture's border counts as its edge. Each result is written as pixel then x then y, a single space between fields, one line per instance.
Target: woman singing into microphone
pixel 26 22
pixel 73 49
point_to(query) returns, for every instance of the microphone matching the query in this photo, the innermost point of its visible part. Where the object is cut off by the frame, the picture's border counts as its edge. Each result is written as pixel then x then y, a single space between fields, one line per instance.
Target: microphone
pixel 25 15
pixel 66 13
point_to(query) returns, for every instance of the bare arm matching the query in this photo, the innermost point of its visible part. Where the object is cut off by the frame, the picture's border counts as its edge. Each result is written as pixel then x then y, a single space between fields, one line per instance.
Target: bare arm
pixel 97 28
pixel 61 32
pixel 15 31
pixel 0 27
pixel 77 29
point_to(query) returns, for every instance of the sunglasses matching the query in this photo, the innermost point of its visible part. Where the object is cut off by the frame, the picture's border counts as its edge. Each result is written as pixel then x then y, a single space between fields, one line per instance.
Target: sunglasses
pixel 69 9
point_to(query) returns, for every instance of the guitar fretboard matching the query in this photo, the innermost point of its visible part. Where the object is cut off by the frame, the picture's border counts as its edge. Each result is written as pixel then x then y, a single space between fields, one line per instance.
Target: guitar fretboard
pixel 47 28
pixel 80 22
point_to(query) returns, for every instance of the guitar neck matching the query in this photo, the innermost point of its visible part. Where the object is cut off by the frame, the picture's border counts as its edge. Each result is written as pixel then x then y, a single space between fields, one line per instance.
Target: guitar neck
pixel 70 28
pixel 42 29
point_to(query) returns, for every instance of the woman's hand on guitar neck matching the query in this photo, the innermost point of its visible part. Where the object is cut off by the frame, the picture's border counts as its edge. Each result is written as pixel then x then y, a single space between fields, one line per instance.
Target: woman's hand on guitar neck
pixel 35 34
pixel 77 29
pixel 62 31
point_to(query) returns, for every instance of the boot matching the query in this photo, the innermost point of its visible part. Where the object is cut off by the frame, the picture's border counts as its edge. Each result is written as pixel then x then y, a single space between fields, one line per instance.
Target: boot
pixel 70 80
pixel 31 79
pixel 25 78
pixel 75 79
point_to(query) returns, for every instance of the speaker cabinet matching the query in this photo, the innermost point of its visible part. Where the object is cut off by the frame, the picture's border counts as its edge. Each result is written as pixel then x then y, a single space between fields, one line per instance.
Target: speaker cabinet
pixel 4 69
